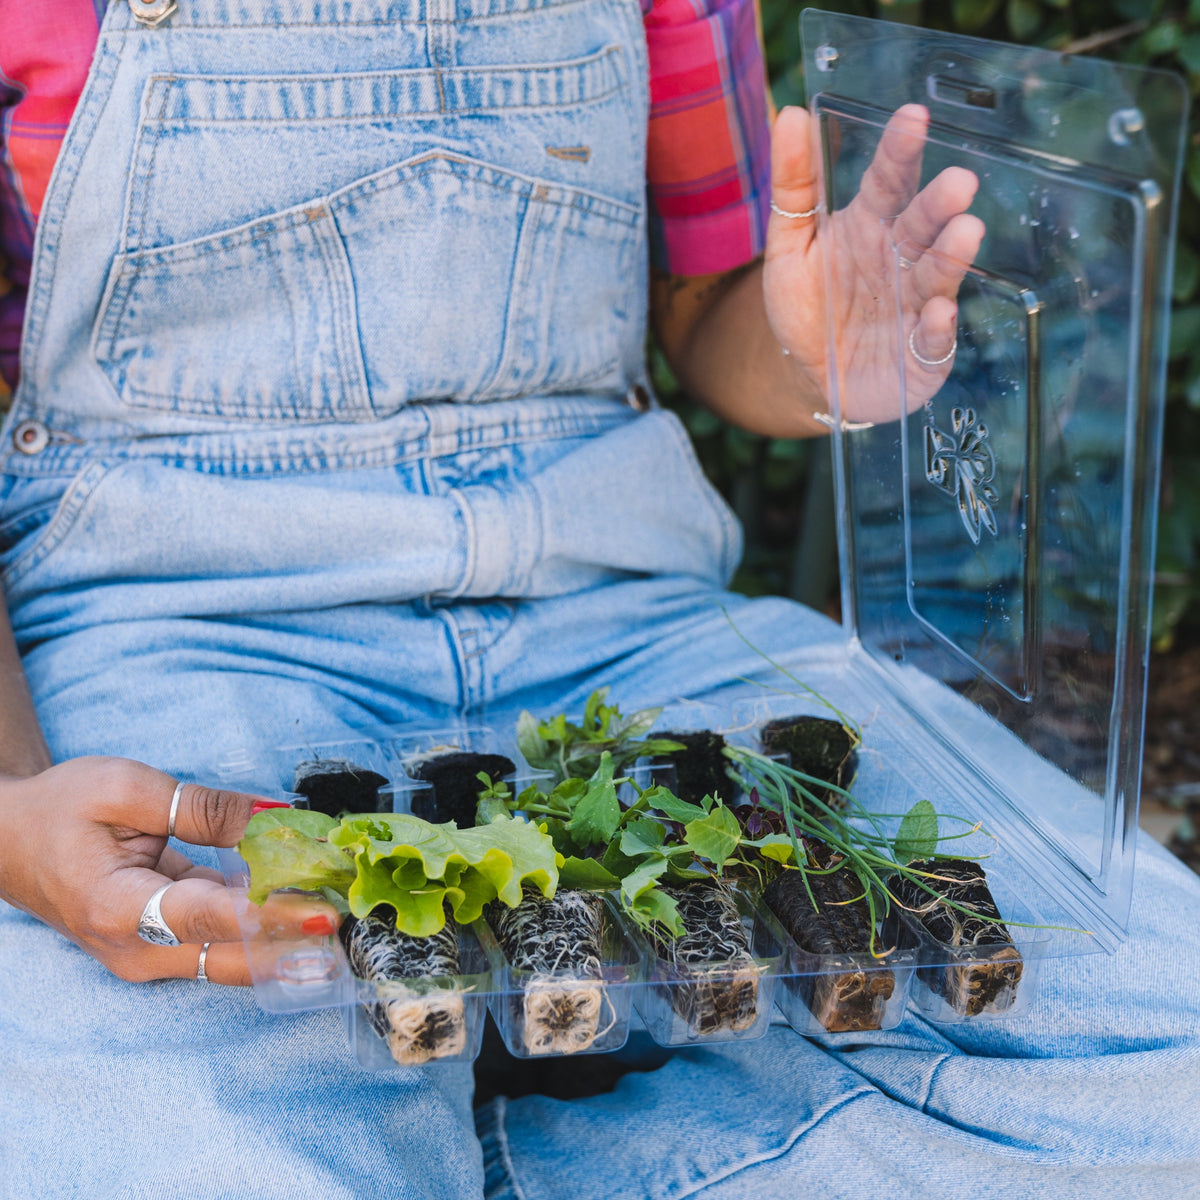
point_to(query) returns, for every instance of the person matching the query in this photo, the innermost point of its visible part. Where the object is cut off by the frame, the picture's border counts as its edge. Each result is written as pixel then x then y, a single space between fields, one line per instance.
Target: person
pixel 331 415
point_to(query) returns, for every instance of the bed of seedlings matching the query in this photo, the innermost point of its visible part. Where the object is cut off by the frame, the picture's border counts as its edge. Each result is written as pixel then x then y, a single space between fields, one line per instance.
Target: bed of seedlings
pixel 559 873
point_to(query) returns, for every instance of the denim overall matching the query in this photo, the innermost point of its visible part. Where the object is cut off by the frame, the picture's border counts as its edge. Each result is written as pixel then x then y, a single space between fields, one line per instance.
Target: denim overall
pixel 331 415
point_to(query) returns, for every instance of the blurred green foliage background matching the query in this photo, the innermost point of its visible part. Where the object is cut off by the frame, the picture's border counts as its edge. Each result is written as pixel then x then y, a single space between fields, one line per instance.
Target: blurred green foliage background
pixel 782 490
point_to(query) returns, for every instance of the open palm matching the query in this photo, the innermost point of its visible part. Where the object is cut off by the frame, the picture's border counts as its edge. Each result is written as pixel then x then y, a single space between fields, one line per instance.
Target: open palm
pixel 890 226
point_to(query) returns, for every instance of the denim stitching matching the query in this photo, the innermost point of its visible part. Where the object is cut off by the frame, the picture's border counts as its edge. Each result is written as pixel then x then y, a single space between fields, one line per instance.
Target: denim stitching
pixel 74 500
pixel 55 203
pixel 501 1106
pixel 605 66
pixel 680 1192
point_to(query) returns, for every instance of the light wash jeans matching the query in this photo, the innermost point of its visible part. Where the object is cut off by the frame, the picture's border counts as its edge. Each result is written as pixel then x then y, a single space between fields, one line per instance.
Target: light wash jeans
pixel 290 249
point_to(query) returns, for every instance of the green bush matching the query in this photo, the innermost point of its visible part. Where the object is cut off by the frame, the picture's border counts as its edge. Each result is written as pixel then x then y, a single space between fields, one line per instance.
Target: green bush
pixel 770 483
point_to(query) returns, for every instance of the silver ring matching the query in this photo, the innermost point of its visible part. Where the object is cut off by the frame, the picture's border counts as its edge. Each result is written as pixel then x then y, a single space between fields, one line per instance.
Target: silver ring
pixel 845 426
pixel 795 216
pixel 152 927
pixel 201 973
pixel 930 362
pixel 174 809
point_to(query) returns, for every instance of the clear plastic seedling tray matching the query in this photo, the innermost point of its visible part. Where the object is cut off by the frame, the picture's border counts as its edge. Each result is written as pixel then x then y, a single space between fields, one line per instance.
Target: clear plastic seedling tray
pixel 424 1021
pixel 560 1012
pixel 278 774
pixel 720 1001
pixel 957 983
pixel 997 528
pixel 409 748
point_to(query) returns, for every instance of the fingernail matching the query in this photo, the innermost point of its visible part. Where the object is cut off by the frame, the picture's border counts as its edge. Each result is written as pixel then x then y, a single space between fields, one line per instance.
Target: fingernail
pixel 320 926
pixel 260 805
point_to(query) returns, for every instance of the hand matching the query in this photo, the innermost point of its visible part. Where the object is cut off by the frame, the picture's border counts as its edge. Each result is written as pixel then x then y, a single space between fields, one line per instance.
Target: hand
pixel 83 846
pixel 864 237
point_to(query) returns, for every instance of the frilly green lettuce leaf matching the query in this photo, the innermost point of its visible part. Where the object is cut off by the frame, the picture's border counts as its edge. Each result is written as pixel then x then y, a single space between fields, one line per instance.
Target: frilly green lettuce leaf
pixel 398 859
pixel 287 847
pixel 417 867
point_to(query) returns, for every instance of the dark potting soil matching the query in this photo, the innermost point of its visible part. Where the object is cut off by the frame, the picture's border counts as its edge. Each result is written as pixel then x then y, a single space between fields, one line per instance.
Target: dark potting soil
pixel 849 1001
pixel 417 1024
pixel 456 785
pixel 988 965
pixel 700 767
pixel 707 999
pixel 818 746
pixel 335 786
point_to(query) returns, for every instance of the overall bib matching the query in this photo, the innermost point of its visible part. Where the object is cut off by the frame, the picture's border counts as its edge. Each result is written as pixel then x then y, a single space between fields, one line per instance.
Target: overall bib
pixel 329 417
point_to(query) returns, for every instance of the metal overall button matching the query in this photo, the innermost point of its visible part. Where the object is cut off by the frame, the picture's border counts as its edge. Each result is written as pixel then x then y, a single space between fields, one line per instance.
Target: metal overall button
pixel 31 437
pixel 152 13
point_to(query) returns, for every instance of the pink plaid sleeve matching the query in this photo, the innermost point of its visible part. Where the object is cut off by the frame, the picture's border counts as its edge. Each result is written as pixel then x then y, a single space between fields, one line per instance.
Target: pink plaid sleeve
pixel 708 155
pixel 45 53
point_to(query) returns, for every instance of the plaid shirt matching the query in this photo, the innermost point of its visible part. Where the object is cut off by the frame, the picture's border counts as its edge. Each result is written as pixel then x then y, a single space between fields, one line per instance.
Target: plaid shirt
pixel 708 161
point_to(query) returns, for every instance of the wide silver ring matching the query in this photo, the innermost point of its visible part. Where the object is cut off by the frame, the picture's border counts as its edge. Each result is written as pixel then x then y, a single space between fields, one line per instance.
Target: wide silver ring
pixel 174 809
pixel 151 926
pixel 201 973
pixel 930 362
pixel 795 216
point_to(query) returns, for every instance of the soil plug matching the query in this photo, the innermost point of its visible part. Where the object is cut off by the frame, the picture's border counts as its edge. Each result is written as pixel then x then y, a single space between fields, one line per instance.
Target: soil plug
pixel 558 942
pixel 419 1020
pixel 845 1000
pixel 984 978
pixel 820 747
pixel 718 976
pixel 701 768
pixel 456 786
pixel 335 785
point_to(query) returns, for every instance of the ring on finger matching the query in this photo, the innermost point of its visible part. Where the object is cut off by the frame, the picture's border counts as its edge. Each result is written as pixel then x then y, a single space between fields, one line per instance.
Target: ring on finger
pixel 152 927
pixel 930 362
pixel 174 809
pixel 795 216
pixel 201 973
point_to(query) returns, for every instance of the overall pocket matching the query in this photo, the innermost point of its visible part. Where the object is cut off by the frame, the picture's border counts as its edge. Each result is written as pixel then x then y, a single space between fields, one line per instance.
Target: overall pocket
pixel 468 263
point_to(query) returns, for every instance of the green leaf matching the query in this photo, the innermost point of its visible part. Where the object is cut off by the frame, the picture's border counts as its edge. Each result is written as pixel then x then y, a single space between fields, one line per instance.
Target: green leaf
pixel 775 846
pixel 534 748
pixel 645 874
pixel 1161 38
pixel 643 836
pixel 288 849
pixel 598 813
pixel 715 836
pixel 1189 52
pixel 416 867
pixel 1024 17
pixel 918 835
pixel 973 14
pixel 1187 273
pixel 1193 170
pixel 585 874
pixel 667 803
pixel 1185 325
pixel 654 907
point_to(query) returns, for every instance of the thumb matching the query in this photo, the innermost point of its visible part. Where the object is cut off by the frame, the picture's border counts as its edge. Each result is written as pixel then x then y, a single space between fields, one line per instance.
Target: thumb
pixel 142 798
pixel 794 187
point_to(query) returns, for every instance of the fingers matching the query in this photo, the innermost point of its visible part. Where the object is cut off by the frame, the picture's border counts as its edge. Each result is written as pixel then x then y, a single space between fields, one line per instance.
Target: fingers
pixel 933 337
pixel 198 912
pixel 794 187
pixel 891 180
pixel 939 202
pixel 940 270
pixel 225 964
